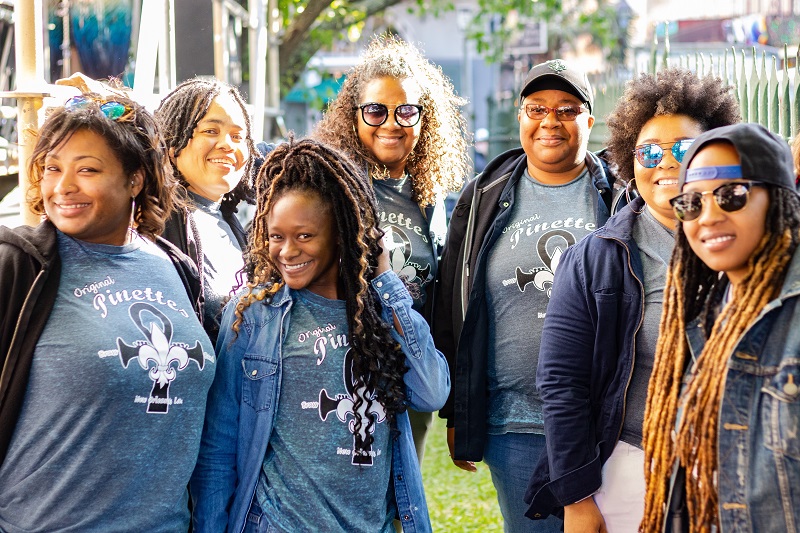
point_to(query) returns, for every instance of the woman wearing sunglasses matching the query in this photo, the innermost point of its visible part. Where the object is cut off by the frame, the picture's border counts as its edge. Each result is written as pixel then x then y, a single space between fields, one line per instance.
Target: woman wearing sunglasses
pixel 399 119
pixel 207 132
pixel 105 364
pixel 723 405
pixel 601 327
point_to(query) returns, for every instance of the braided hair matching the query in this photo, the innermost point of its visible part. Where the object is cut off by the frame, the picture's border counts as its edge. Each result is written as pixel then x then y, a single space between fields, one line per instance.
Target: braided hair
pixel 178 115
pixel 310 167
pixel 693 291
pixel 439 161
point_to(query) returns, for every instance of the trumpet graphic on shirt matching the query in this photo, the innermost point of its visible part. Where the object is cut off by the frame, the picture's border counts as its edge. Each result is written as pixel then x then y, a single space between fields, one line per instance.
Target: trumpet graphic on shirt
pixel 372 413
pixel 158 353
pixel 542 277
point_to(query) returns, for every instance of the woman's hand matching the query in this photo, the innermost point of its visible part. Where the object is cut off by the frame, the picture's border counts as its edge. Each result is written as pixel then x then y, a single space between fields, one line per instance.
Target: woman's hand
pixel 384 263
pixel 584 517
pixel 469 466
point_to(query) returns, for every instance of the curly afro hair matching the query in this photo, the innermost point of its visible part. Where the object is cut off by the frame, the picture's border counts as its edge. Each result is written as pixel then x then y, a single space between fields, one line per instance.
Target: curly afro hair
pixel 673 91
pixel 440 160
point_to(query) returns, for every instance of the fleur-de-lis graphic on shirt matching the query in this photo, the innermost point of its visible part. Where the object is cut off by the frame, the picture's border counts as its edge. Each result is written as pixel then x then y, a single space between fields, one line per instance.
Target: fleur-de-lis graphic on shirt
pixel 158 354
pixel 542 277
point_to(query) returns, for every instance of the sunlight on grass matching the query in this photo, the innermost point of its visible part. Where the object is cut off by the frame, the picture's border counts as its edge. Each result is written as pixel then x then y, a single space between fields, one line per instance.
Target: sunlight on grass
pixel 457 500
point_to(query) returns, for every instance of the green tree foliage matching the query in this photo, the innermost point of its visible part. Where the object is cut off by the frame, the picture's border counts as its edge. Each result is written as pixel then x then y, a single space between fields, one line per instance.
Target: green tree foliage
pixel 309 25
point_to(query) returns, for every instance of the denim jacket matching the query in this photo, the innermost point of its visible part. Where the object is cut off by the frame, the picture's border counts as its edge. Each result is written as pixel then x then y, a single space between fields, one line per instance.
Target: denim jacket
pixel 243 400
pixel 758 439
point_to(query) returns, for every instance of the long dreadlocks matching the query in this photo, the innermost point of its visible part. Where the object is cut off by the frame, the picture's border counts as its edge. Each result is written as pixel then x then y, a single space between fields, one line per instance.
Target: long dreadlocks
pixel 310 167
pixel 692 291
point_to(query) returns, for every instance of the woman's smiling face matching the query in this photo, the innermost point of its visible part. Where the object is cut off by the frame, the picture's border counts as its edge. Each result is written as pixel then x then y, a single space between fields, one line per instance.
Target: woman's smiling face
pixel 390 143
pixel 725 241
pixel 213 161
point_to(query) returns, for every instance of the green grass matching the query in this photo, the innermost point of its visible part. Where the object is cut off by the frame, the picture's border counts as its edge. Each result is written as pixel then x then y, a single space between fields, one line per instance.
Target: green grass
pixel 458 501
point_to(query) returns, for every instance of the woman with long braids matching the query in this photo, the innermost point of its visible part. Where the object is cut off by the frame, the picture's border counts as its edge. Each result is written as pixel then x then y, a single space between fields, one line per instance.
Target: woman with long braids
pixel 206 128
pixel 594 362
pixel 398 118
pixel 319 355
pixel 720 437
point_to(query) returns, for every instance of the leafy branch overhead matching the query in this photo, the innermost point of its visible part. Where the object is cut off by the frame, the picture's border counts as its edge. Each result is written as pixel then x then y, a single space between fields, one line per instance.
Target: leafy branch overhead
pixel 311 25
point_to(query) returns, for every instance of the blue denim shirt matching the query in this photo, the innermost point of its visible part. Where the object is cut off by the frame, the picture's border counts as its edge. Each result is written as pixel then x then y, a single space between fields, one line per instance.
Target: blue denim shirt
pixel 759 417
pixel 243 401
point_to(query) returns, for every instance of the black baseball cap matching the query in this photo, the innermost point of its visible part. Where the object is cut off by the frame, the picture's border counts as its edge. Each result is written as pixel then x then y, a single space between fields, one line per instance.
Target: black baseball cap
pixel 560 75
pixel 765 156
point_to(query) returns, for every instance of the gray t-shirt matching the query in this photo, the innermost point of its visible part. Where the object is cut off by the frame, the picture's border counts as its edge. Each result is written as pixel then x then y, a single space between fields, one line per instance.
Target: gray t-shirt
pixel 407 232
pixel 222 256
pixel 109 430
pixel 655 242
pixel 544 221
pixel 310 479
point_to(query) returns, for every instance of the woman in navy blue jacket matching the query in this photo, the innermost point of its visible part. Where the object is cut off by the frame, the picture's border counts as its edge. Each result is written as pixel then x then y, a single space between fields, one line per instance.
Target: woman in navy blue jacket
pixel 601 328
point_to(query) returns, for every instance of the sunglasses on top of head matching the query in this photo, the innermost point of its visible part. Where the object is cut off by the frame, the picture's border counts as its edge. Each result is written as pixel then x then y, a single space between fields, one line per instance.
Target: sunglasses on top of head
pixel 650 155
pixel 730 197
pixel 111 109
pixel 375 114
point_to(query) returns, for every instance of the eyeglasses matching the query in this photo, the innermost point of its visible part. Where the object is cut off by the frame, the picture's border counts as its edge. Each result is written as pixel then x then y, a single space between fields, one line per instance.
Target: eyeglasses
pixel 563 112
pixel 730 197
pixel 374 114
pixel 111 109
pixel 650 155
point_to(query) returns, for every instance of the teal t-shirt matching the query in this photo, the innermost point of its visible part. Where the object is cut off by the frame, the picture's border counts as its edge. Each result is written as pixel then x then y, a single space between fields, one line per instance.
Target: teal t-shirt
pixel 311 480
pixel 110 426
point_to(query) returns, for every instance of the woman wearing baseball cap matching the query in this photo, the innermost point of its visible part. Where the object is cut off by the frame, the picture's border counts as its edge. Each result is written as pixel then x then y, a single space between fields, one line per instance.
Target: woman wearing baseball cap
pixel 720 437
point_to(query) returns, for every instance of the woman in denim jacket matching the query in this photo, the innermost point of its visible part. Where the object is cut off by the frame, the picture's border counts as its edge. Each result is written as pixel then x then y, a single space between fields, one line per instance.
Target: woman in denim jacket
pixel 723 409
pixel 319 355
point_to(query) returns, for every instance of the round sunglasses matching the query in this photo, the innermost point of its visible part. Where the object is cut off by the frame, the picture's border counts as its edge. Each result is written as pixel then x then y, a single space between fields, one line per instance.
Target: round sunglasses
pixel 650 155
pixel 375 114
pixel 730 197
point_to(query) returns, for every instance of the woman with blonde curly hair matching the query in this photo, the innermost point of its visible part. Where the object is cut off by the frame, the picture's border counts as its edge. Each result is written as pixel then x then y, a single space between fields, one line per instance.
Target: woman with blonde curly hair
pixel 399 119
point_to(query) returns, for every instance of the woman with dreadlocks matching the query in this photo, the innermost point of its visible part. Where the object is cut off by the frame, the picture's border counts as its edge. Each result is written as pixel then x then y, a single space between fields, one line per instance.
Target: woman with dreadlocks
pixel 601 329
pixel 319 355
pixel 399 120
pixel 722 450
pixel 207 133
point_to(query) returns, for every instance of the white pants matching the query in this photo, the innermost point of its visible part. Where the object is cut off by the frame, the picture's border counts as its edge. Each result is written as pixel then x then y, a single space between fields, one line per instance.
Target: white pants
pixel 621 496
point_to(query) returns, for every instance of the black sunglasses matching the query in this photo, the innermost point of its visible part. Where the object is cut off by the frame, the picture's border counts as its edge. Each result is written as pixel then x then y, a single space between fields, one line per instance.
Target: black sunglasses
pixel 650 155
pixel 730 197
pixel 375 114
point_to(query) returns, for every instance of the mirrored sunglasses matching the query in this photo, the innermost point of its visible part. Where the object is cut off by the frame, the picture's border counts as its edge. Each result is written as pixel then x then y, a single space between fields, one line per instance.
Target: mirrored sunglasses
pixel 375 114
pixel 111 109
pixel 650 155
pixel 730 197
pixel 563 112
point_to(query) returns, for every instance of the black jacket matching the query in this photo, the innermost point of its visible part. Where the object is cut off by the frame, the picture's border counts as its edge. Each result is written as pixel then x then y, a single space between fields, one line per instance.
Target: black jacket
pixel 461 334
pixel 30 270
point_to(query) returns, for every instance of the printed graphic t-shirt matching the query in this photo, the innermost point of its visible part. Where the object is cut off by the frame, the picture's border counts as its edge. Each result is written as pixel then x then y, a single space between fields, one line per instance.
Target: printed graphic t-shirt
pixel 311 479
pixel 544 221
pixel 109 430
pixel 408 236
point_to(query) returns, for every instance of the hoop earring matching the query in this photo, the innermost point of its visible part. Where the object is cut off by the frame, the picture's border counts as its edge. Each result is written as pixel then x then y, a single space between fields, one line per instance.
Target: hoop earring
pixel 630 192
